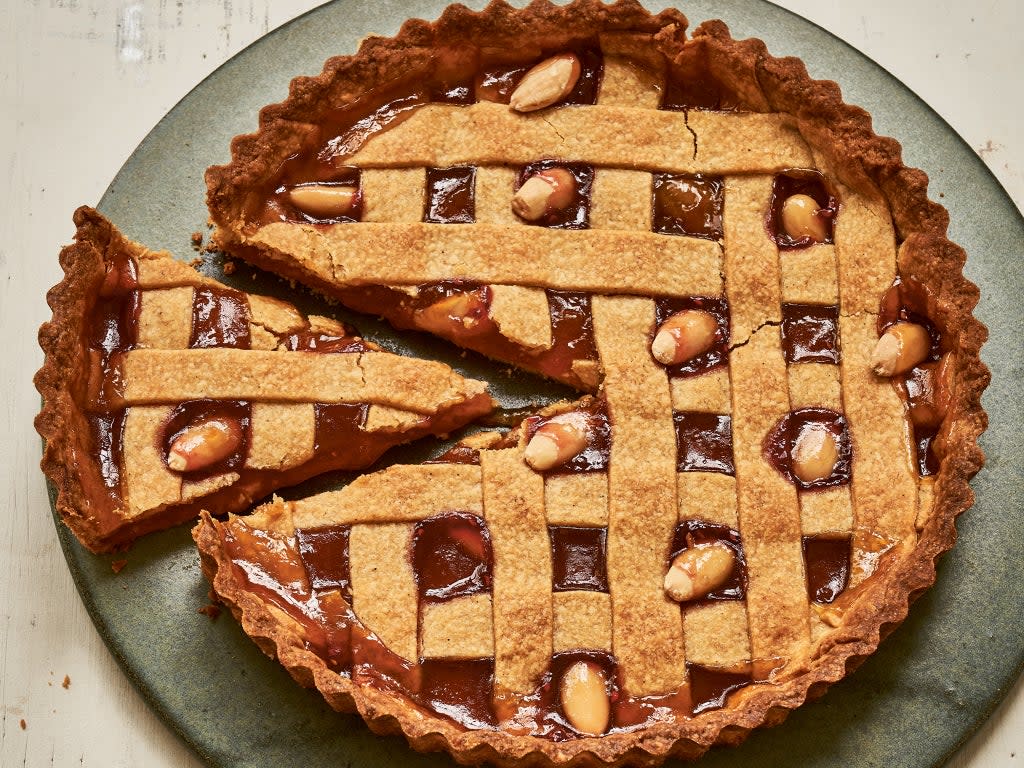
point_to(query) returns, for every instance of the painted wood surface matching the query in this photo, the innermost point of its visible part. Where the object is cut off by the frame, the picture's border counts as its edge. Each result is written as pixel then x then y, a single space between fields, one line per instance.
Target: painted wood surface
pixel 81 83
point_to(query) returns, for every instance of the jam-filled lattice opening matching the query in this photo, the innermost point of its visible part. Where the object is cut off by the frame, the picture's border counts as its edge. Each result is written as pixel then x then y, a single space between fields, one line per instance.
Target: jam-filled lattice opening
pixel 827 559
pixel 451 556
pixel 578 556
pixel 687 205
pixel 449 195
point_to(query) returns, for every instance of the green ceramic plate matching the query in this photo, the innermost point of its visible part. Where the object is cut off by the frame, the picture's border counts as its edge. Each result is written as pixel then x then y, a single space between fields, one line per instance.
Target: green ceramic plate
pixel 912 704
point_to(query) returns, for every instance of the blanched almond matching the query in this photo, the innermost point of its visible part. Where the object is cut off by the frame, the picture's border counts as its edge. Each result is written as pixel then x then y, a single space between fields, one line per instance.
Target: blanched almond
pixel 203 444
pixel 584 695
pixel 815 453
pixel 683 336
pixel 549 190
pixel 547 83
pixel 557 441
pixel 324 201
pixel 801 217
pixel 698 570
pixel 900 348
pixel 459 313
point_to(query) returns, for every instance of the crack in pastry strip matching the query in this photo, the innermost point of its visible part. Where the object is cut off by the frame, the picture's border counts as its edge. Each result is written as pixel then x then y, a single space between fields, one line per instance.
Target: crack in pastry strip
pixel 768 509
pixel 163 376
pixel 647 637
pixel 633 262
pixel 485 133
pixel 751 260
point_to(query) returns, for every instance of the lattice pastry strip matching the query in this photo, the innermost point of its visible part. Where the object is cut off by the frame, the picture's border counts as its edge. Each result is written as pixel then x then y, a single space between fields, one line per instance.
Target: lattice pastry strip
pixel 402 494
pixel 809 275
pixel 635 261
pixel 165 318
pixel 751 258
pixel 634 73
pixel 514 511
pixel 459 628
pixel 484 133
pixel 646 632
pixel 384 585
pixel 768 510
pixel 621 199
pixel 885 484
pixel 582 619
pixel 577 499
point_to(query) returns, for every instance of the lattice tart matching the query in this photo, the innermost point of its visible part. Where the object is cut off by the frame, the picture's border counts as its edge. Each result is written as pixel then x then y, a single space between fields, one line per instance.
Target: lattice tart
pixel 166 392
pixel 763 302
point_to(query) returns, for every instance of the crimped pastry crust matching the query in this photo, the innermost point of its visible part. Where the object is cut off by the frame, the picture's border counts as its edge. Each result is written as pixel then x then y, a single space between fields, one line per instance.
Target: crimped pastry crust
pixel 69 460
pixel 861 160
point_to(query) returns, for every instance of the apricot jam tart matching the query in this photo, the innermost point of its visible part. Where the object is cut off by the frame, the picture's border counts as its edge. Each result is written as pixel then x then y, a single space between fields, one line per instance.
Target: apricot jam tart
pixel 770 334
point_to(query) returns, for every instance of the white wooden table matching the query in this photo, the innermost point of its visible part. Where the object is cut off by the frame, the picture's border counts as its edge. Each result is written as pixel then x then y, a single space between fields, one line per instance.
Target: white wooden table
pixel 81 83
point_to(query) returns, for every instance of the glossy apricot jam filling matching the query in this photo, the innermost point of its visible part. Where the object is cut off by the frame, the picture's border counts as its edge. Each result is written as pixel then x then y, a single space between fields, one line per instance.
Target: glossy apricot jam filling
pixel 306 576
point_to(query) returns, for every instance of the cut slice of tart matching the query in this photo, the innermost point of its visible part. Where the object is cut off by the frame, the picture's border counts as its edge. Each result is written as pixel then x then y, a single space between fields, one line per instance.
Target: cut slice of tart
pixel 761 294
pixel 165 392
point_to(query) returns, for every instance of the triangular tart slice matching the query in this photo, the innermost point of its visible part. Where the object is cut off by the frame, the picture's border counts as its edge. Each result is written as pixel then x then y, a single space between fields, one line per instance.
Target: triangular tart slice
pixel 165 392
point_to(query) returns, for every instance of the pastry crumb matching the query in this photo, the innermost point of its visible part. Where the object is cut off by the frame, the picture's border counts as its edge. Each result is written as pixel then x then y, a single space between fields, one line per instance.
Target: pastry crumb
pixel 118 565
pixel 197 240
pixel 66 683
pixel 211 610
pixel 229 267
pixel 23 724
